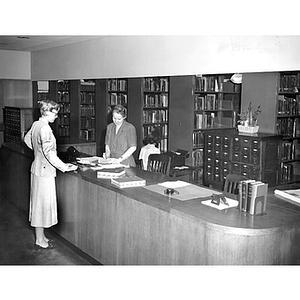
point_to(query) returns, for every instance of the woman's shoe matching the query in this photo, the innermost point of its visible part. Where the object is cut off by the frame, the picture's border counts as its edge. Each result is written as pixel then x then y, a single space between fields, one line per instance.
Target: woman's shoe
pixel 38 247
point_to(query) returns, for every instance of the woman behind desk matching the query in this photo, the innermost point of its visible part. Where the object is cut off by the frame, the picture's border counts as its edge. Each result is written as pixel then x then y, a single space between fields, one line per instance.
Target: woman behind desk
pixel 149 147
pixel 120 139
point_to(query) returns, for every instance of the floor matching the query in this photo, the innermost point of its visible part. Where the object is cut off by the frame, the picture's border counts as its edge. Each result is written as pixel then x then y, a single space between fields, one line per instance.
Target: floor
pixel 17 242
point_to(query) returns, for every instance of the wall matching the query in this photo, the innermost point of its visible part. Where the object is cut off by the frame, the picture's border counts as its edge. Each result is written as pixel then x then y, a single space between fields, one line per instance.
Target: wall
pixel 14 93
pixel 15 65
pixel 137 56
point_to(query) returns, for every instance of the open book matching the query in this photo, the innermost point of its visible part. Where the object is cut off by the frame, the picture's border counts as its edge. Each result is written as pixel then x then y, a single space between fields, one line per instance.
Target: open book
pixel 293 195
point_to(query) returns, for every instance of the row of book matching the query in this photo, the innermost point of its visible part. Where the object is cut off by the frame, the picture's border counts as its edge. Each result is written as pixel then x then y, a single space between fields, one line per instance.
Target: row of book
pixel 63 85
pixel 65 108
pixel 87 110
pixel 198 139
pixel 287 172
pixel 157 100
pixel 156 84
pixel 64 130
pixel 87 134
pixel 42 96
pixel 215 84
pixel 205 120
pixel 197 158
pixel 288 105
pixel 211 102
pixel 63 97
pixel 155 116
pixel 118 98
pixel 253 196
pixel 87 122
pixel 288 150
pixel 161 128
pixel 87 97
pixel 63 120
pixel 163 145
pixel 206 102
pixel 288 127
pixel 117 85
pixel 289 82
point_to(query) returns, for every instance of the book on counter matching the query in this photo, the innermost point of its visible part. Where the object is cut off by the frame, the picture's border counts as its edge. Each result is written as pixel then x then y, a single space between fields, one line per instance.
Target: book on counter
pixel 126 182
pixel 253 196
pixel 110 173
pixel 290 195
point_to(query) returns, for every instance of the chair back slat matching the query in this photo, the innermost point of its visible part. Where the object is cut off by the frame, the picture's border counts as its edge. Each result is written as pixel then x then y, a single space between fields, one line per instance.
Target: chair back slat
pixel 159 163
pixel 231 185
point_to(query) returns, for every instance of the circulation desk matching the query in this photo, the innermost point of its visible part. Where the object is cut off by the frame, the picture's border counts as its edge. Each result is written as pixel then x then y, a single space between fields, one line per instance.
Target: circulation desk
pixel 134 226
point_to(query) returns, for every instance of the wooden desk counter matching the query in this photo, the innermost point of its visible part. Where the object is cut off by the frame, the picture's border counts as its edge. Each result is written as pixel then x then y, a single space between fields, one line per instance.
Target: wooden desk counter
pixel 134 226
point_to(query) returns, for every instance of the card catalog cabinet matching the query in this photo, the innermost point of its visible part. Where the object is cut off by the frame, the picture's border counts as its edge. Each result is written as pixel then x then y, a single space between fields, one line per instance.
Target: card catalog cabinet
pixel 228 152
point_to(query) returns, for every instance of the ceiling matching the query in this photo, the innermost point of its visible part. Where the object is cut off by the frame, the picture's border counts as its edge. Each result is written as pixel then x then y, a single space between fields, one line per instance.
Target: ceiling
pixel 39 42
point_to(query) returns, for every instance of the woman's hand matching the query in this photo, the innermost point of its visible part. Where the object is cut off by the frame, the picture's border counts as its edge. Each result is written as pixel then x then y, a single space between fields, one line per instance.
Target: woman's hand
pixel 116 160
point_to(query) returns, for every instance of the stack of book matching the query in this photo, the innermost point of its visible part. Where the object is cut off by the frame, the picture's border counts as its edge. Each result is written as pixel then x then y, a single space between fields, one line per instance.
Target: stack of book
pixel 111 173
pixel 253 196
pixel 126 182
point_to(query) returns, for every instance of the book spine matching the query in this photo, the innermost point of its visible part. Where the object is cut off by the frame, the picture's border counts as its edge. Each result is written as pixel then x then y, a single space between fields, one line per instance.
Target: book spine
pixel 244 195
pixel 249 195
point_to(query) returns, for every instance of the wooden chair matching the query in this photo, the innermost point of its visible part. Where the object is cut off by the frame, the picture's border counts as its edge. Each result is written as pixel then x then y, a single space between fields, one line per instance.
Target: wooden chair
pixel 231 185
pixel 159 163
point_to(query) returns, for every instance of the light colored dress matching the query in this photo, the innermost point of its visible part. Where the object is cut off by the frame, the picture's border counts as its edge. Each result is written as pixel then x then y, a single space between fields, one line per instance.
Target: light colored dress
pixel 145 152
pixel 120 142
pixel 43 204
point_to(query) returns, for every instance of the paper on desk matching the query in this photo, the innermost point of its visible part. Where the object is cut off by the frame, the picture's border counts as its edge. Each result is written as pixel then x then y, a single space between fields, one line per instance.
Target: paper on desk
pixel 221 206
pixel 174 184
pixel 109 166
pixel 87 160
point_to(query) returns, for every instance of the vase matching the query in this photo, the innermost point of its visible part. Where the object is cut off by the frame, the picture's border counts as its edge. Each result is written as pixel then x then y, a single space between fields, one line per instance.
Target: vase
pixel 248 129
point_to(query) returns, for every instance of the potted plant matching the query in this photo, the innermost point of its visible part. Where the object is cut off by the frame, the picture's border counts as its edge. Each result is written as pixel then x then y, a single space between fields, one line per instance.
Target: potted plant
pixel 249 119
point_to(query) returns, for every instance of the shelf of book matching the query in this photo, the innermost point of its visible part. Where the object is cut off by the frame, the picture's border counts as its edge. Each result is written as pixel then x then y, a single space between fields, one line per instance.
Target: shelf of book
pixel 87 110
pixel 63 99
pixel 288 125
pixel 117 92
pixel 155 114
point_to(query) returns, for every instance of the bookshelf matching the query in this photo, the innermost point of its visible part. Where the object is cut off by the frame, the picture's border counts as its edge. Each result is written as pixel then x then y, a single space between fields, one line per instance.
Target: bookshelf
pixel 155 109
pixel 87 117
pixel 64 115
pixel 288 125
pixel 117 93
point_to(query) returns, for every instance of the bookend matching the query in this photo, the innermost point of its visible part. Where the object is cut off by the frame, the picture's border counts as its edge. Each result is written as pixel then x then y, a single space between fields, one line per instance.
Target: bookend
pixel 253 197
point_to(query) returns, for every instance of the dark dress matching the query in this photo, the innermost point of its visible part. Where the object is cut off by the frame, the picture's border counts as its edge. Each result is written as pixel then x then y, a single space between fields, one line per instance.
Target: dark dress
pixel 120 142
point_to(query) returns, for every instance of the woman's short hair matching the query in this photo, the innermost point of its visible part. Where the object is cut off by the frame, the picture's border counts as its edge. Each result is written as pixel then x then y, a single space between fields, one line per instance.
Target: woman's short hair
pixel 48 105
pixel 152 138
pixel 120 109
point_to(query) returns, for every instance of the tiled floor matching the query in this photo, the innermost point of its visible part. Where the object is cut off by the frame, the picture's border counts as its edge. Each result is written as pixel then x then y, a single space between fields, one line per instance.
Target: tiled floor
pixel 17 241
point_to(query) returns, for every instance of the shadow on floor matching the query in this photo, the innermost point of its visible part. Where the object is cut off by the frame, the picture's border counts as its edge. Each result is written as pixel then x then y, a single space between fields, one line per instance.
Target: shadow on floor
pixel 17 242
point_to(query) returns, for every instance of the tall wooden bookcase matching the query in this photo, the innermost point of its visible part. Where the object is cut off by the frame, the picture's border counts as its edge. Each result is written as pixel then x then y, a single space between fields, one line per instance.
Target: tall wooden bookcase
pixel 148 108
pixel 278 95
pixel 198 104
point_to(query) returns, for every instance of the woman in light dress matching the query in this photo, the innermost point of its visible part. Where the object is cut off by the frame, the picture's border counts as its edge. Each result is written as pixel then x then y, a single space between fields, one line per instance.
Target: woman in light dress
pixel 43 204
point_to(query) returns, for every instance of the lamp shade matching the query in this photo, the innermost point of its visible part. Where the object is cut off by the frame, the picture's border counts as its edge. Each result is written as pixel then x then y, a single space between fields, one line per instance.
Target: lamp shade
pixel 236 78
